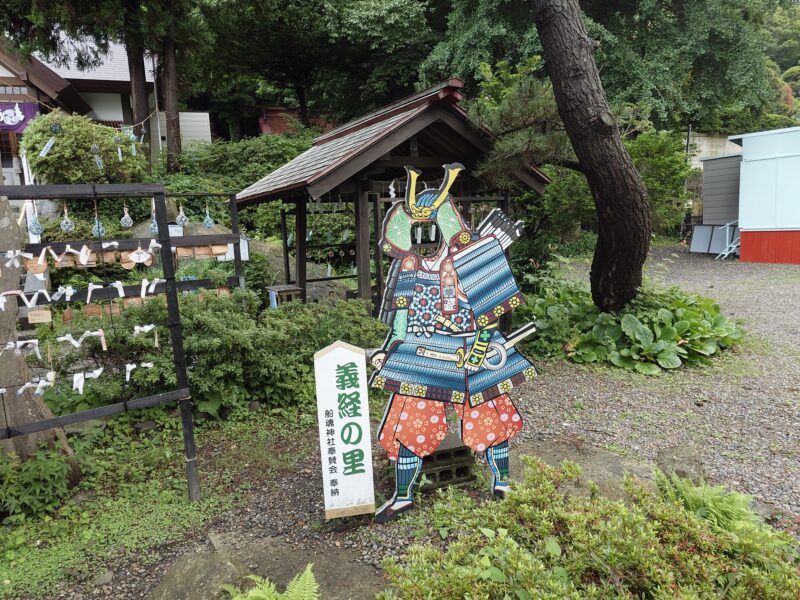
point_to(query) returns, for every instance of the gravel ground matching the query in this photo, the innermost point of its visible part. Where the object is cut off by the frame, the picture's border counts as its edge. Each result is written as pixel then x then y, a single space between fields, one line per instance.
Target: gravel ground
pixel 743 413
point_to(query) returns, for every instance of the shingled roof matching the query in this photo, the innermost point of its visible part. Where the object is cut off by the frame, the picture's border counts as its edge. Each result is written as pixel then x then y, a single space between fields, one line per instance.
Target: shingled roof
pixel 342 152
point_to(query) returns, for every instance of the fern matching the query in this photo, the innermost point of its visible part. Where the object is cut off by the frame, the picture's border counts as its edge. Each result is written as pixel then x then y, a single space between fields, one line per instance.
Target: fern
pixel 724 509
pixel 729 513
pixel 302 587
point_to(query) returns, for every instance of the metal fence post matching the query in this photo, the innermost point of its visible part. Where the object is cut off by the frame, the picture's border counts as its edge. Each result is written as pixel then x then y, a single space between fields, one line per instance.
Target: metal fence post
pixel 173 315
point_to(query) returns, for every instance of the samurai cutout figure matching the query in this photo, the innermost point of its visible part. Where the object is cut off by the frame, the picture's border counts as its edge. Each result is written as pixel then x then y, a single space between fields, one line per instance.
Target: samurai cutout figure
pixel 444 346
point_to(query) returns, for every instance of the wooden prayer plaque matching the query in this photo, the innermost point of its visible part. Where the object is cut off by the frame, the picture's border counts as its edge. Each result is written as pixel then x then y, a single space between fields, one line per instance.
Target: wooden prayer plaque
pixel 40 315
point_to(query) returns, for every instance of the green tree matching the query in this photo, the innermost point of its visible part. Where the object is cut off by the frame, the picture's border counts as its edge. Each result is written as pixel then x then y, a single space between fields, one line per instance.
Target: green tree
pixel 783 26
pixel 681 61
pixel 347 56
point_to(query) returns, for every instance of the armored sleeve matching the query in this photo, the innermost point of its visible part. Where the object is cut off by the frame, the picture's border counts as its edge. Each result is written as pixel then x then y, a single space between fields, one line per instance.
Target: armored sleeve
pixel 486 279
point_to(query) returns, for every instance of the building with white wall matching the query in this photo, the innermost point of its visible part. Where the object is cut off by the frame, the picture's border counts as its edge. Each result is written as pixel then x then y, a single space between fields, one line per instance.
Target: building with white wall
pixel 769 195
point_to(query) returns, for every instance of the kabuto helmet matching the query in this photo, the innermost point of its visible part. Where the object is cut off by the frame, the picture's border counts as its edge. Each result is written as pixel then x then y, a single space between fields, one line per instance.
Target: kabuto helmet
pixel 431 205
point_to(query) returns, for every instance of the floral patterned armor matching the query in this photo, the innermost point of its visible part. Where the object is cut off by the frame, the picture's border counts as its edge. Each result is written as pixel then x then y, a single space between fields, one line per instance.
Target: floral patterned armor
pixel 444 346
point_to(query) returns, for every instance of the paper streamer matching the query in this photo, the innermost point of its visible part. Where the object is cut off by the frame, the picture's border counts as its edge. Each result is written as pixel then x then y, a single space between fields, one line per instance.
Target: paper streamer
pixel 86 334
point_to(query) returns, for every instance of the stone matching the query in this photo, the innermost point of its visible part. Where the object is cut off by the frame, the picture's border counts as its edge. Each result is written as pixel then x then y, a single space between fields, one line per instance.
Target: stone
pixel 104 579
pixel 144 427
pixel 254 406
pixel 199 576
pixel 84 426
pixel 684 461
pixel 601 467
pixel 81 497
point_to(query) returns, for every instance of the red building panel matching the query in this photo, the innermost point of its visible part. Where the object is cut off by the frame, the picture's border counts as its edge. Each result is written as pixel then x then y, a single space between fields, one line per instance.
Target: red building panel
pixel 770 247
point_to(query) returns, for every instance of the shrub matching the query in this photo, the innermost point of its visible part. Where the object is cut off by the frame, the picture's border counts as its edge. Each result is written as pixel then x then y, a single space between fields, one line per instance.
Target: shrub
pixel 34 487
pixel 234 352
pixel 236 165
pixel 70 160
pixel 660 329
pixel 542 543
pixel 302 587
pixel 726 512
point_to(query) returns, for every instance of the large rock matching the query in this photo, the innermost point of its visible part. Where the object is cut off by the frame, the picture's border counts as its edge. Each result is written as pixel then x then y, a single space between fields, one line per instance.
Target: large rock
pixel 200 577
pixel 605 469
pixel 683 460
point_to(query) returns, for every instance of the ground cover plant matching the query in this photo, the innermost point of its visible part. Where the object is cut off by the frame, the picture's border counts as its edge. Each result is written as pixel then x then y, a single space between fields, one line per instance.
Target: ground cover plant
pixel 661 329
pixel 132 497
pixel 542 543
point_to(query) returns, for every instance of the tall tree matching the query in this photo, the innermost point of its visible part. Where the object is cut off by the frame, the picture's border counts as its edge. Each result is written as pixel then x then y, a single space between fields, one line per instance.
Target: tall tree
pixel 698 61
pixel 620 197
pixel 341 55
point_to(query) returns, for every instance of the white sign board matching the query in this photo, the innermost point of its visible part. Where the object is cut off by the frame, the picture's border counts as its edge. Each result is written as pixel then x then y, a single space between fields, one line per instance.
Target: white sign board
pixel 345 442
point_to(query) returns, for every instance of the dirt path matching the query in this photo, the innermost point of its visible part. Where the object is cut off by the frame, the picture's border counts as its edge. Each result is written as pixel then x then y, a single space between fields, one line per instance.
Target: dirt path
pixel 743 414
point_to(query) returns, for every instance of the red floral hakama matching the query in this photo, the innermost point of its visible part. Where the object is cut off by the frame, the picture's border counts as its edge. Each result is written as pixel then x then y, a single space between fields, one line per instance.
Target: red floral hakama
pixel 420 425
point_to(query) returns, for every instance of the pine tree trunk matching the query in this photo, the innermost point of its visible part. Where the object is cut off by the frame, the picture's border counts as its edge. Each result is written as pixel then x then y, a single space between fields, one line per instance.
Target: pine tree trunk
pixel 620 197
pixel 139 103
pixel 14 371
pixel 170 89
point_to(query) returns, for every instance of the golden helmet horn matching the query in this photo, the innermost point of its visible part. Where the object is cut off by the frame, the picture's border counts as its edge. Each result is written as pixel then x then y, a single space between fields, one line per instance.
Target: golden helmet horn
pixel 424 207
pixel 411 187
pixel 451 171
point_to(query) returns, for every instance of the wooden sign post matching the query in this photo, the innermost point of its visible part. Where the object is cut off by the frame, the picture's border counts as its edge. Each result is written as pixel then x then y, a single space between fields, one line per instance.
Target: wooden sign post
pixel 340 371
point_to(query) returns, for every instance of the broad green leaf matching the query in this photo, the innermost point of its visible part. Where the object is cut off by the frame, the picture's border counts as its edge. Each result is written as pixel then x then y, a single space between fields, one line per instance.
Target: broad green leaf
pixel 489 533
pixel 665 316
pixel 494 574
pixel 681 327
pixel 668 333
pixel 552 546
pixel 647 368
pixel 668 360
pixel 644 335
pixel 629 325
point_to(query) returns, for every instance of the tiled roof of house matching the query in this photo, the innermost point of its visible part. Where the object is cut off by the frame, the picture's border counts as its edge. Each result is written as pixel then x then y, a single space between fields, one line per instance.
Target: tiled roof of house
pixel 336 148
pixel 318 159
pixel 113 68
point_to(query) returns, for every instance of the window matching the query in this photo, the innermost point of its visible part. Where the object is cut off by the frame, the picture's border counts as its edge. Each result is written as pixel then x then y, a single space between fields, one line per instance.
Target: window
pixel 13 90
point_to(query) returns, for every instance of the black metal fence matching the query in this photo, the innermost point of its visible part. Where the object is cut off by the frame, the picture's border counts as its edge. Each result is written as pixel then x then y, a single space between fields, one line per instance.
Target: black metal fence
pixel 170 288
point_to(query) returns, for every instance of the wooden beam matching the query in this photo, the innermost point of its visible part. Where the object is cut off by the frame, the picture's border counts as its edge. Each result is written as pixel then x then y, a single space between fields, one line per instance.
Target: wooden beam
pixel 377 222
pixel 300 247
pixel 420 162
pixel 362 244
pixel 80 192
pixel 361 161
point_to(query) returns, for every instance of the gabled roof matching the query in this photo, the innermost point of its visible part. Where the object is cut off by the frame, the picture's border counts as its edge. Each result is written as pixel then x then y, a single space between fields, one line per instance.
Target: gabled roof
pixel 113 68
pixel 344 151
pixel 34 72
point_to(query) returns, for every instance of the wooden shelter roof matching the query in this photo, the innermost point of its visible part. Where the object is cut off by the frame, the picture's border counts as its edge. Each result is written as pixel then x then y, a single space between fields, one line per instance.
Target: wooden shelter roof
pixel 342 152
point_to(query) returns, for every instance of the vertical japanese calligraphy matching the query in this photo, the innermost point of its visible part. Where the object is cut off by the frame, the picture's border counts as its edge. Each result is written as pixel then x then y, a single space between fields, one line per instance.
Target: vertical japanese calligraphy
pixel 344 432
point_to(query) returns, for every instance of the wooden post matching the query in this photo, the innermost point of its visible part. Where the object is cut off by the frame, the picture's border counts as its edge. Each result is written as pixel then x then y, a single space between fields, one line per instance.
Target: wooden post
pixel 505 206
pixel 362 240
pixel 287 272
pixel 237 250
pixel 173 314
pixel 376 220
pixel 300 245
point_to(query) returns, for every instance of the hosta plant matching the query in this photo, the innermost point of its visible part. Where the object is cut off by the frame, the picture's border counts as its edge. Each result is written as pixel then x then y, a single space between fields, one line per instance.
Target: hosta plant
pixel 661 329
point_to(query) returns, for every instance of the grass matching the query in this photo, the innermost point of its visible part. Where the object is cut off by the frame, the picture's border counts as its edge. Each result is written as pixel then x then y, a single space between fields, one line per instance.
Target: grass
pixel 133 499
